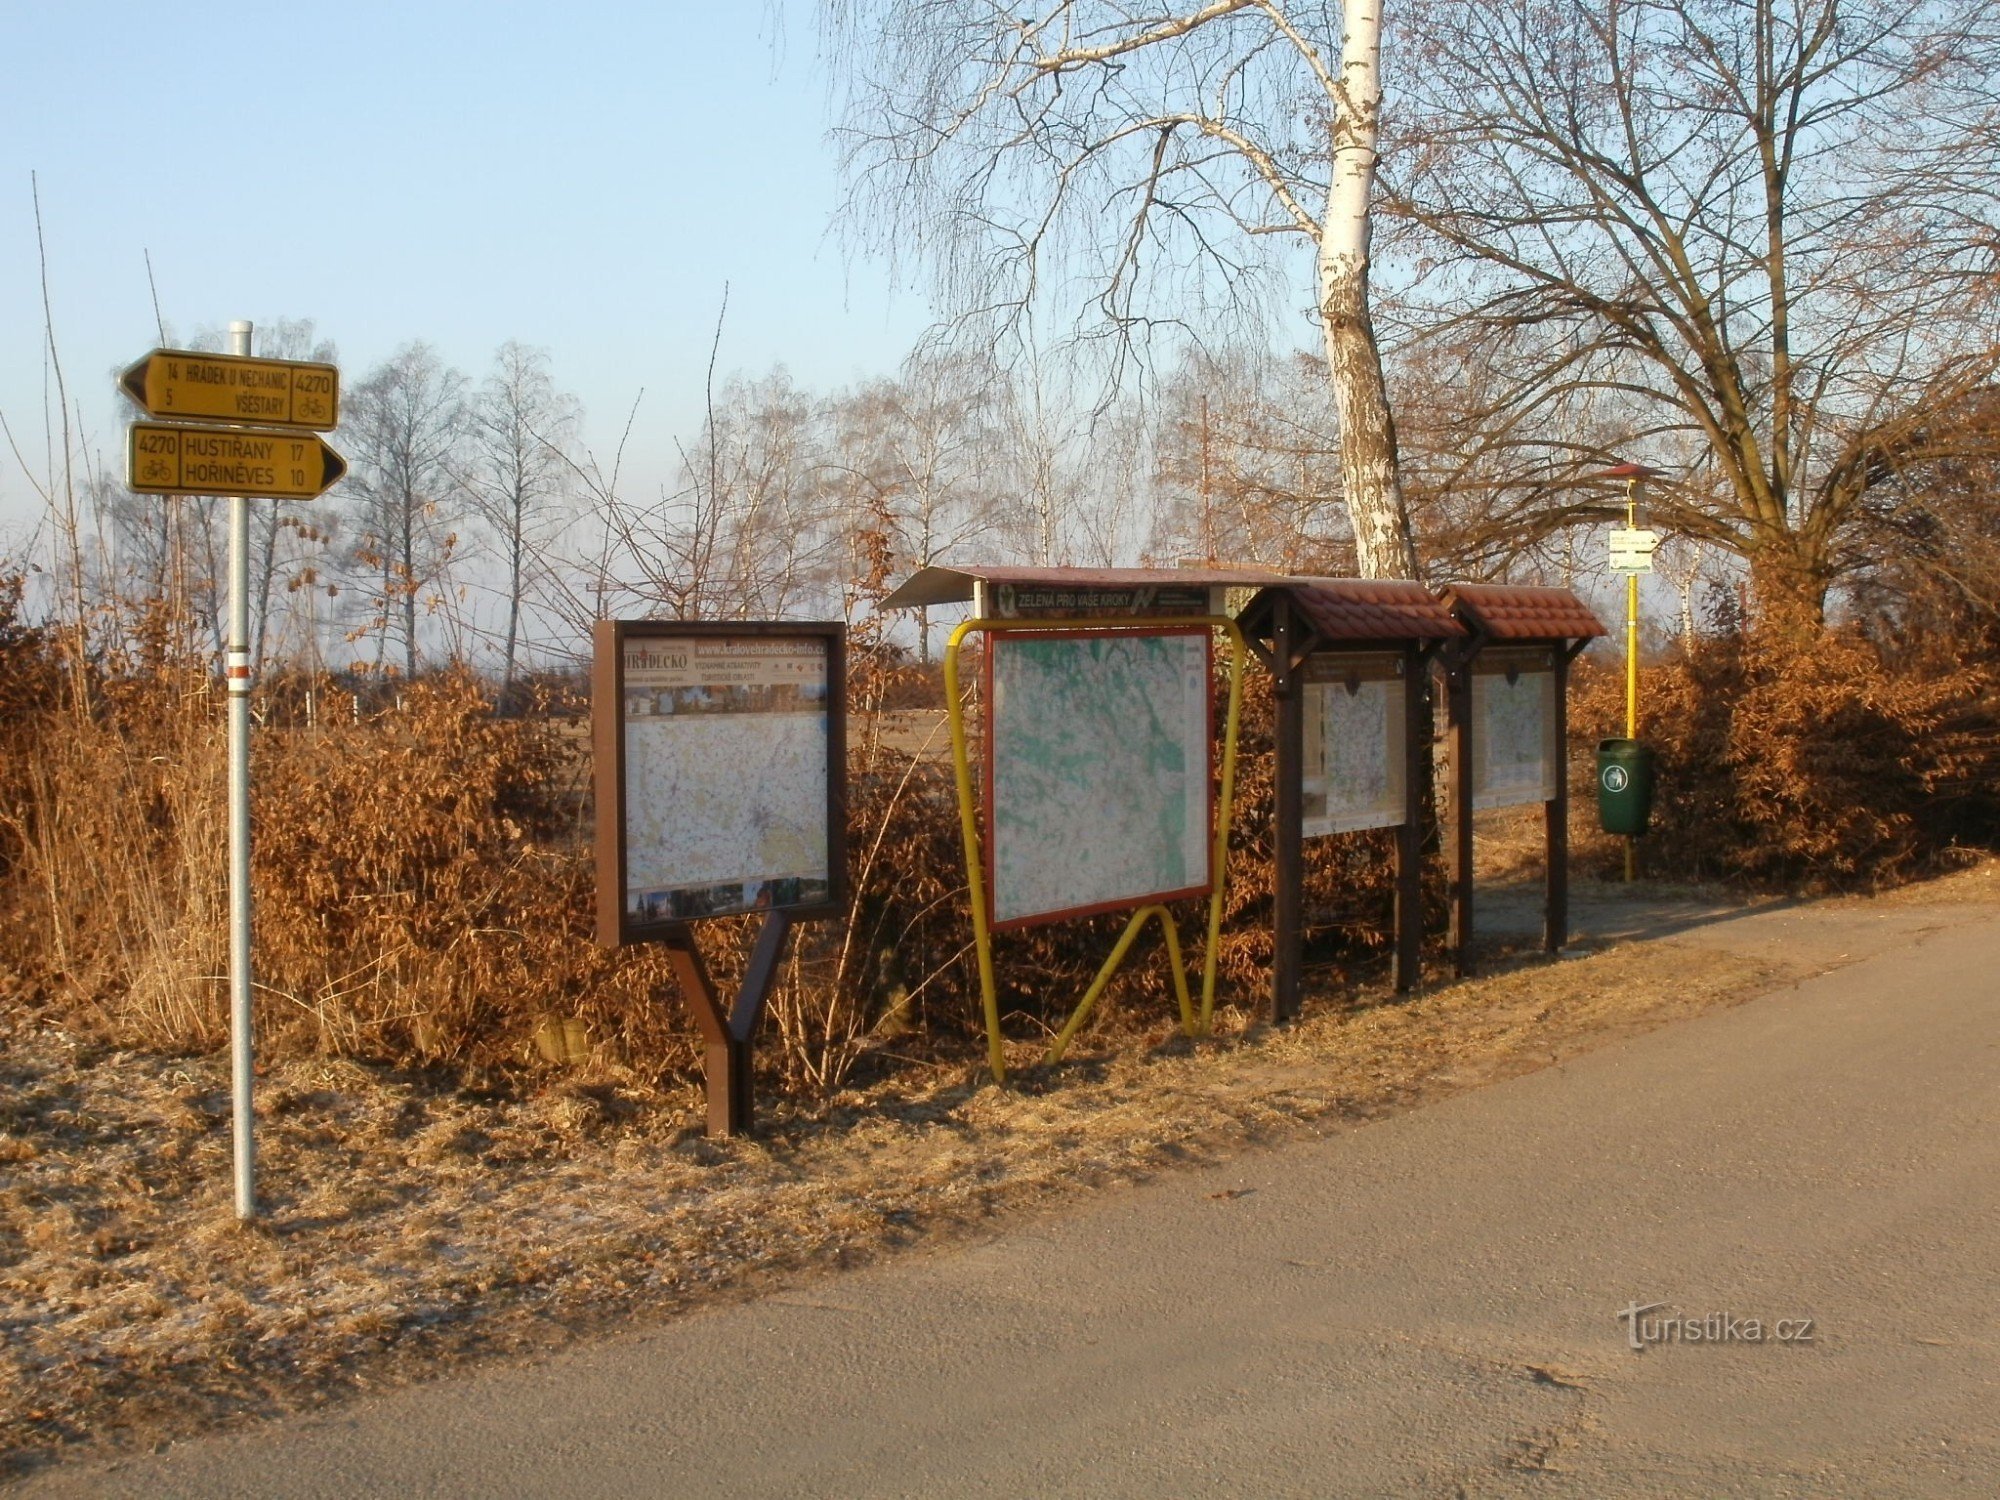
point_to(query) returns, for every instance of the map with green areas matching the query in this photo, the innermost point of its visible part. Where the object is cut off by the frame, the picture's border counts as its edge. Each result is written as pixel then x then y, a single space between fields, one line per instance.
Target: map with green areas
pixel 1099 792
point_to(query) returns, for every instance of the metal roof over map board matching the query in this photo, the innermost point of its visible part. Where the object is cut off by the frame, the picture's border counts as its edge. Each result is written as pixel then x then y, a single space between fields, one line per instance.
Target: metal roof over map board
pixel 1351 610
pixel 1008 592
pixel 1504 612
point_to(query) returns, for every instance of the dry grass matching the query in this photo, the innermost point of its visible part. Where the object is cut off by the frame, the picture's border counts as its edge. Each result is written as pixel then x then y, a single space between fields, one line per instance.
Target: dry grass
pixel 412 1225
pixel 1976 883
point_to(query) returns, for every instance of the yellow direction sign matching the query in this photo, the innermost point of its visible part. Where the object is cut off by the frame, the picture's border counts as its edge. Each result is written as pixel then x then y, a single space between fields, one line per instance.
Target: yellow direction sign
pixel 235 388
pixel 174 460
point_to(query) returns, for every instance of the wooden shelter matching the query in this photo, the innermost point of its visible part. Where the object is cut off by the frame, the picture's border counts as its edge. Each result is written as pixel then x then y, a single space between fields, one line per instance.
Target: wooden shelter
pixel 1507 718
pixel 1348 659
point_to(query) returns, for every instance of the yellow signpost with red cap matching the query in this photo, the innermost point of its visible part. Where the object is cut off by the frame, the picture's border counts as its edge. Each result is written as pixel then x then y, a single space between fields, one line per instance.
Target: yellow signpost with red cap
pixel 1632 554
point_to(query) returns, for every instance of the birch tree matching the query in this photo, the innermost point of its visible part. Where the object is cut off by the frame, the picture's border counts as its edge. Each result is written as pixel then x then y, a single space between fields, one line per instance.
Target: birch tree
pixel 1137 163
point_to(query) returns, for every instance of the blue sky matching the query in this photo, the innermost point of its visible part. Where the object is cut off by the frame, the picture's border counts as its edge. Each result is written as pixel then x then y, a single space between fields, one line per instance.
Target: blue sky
pixel 585 181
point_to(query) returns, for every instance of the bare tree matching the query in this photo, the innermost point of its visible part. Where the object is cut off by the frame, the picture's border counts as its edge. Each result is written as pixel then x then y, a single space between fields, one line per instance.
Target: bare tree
pixel 404 423
pixel 1929 547
pixel 156 563
pixel 521 430
pixel 285 539
pixel 1729 236
pixel 1037 433
pixel 913 458
pixel 1248 463
pixel 751 527
pixel 757 490
pixel 1151 152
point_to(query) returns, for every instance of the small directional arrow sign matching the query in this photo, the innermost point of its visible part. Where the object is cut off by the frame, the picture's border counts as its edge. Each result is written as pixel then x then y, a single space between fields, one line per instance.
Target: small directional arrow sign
pixel 177 383
pixel 169 459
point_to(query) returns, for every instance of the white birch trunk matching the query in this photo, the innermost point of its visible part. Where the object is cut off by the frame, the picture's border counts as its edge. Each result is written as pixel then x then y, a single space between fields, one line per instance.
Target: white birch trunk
pixel 1382 544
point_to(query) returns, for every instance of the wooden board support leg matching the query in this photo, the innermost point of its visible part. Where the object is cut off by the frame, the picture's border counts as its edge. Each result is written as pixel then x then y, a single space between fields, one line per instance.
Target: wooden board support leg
pixel 1288 832
pixel 1458 699
pixel 1555 812
pixel 726 1076
pixel 1409 956
pixel 727 1071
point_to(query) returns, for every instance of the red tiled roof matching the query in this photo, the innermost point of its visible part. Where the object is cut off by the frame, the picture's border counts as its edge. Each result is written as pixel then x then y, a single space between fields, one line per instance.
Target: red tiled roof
pixel 1366 609
pixel 1508 613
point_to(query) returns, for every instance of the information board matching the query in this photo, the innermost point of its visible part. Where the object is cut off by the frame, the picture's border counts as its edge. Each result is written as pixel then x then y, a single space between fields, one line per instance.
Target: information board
pixel 1355 767
pixel 727 761
pixel 1515 757
pixel 1098 794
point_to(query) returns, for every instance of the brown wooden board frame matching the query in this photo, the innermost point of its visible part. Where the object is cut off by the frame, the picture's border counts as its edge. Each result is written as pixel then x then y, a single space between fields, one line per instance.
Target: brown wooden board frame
pixel 1126 903
pixel 614 927
pixel 1513 662
pixel 727 1029
pixel 1405 662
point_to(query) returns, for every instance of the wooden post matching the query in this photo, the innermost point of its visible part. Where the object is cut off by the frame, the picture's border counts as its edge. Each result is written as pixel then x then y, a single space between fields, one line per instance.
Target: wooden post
pixel 1458 704
pixel 727 1035
pixel 1555 812
pixel 1288 832
pixel 1409 955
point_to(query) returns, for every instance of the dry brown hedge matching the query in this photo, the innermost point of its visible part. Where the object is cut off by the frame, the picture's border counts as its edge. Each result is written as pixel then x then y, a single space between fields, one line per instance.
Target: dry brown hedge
pixel 424 885
pixel 1808 760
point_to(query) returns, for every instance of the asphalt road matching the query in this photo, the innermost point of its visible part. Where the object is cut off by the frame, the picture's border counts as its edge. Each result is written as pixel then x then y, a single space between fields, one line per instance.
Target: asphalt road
pixel 1425 1305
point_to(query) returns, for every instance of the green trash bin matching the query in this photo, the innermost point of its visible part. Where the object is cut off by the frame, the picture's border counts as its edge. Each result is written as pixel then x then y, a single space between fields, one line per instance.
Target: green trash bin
pixel 1625 775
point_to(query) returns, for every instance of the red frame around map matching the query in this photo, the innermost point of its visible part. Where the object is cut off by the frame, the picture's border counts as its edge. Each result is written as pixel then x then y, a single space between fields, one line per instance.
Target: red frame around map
pixel 1123 903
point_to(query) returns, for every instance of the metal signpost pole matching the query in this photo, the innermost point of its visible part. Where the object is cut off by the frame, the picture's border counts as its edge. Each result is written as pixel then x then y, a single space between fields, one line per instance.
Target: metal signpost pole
pixel 204 448
pixel 238 677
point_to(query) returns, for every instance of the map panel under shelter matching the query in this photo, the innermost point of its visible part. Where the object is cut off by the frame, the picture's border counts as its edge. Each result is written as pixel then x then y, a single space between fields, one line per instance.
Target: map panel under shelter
pixel 1098 790
pixel 1515 758
pixel 1354 771
pixel 726 751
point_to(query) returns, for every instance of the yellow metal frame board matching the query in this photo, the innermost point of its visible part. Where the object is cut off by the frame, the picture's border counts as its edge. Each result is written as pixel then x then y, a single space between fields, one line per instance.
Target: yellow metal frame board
pixel 968 820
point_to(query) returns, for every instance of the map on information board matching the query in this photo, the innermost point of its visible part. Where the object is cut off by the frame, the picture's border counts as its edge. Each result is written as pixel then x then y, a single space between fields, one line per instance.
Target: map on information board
pixel 1097 788
pixel 1514 738
pixel 725 755
pixel 1354 756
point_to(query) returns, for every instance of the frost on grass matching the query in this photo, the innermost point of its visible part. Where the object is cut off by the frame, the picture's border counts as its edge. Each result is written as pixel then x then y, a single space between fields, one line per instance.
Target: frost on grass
pixel 410 1224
